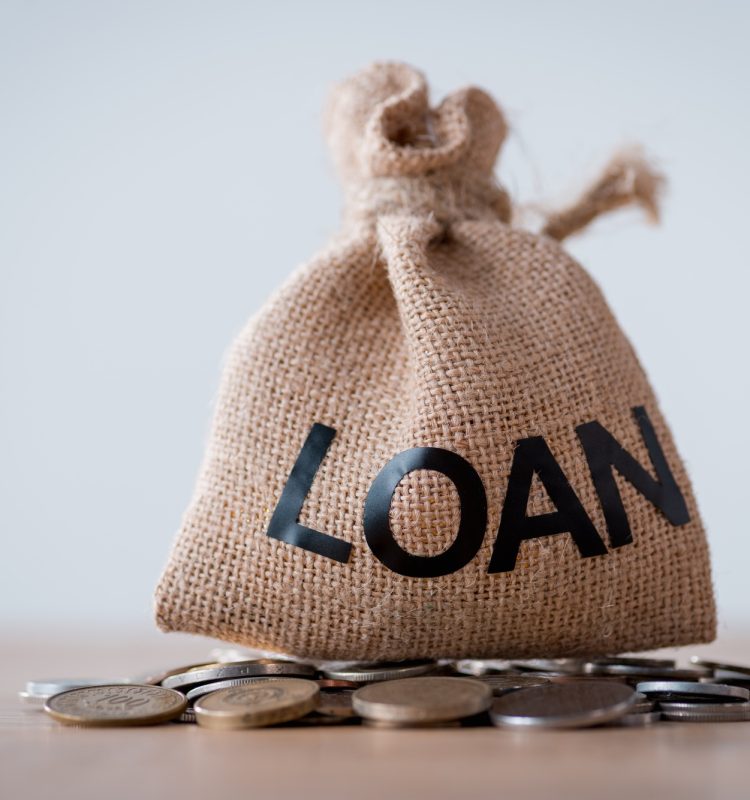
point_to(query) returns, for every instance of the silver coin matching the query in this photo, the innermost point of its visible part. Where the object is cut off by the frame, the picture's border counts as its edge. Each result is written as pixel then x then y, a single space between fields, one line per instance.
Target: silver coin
pixel 633 661
pixel 563 677
pixel 673 690
pixel 48 687
pixel 242 669
pixel 565 666
pixel 566 705
pixel 473 666
pixel 641 720
pixel 214 686
pixel 737 669
pixel 695 715
pixel 188 715
pixel 234 654
pixel 423 699
pixel 501 684
pixel 381 671
pixel 645 672
pixel 231 655
pixel 706 708
pixel 156 676
pixel 33 700
pixel 728 678
pixel 642 704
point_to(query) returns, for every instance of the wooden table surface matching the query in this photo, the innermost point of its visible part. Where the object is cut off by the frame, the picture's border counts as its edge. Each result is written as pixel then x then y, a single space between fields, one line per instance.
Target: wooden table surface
pixel 41 759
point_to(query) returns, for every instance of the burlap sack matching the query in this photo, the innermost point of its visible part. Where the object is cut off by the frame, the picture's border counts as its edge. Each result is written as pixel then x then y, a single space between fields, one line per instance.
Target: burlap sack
pixel 432 322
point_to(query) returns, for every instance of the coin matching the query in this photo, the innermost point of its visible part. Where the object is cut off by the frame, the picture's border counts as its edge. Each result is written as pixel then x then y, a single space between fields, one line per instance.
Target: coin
pixel 241 669
pixel 567 666
pixel 214 686
pixel 501 684
pixel 672 691
pixel 720 666
pixel 155 677
pixel 634 661
pixel 646 672
pixel 332 683
pixel 257 704
pixel 706 708
pixel 473 666
pixel 563 677
pixel 565 705
pixel 400 696
pixel 696 715
pixel 118 704
pixel 48 687
pixel 381 671
pixel 728 679
pixel 641 704
pixel 336 704
pixel 423 699
pixel 229 655
pixel 389 725
pixel 35 700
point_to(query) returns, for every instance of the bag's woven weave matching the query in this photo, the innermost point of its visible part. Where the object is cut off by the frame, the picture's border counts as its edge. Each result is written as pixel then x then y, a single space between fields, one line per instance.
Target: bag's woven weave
pixel 429 322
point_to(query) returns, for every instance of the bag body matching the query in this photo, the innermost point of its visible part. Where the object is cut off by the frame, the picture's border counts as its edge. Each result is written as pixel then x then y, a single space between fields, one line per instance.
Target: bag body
pixel 435 440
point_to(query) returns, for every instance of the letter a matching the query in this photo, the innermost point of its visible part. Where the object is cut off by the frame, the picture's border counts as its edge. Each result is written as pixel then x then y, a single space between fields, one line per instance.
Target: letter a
pixel 534 456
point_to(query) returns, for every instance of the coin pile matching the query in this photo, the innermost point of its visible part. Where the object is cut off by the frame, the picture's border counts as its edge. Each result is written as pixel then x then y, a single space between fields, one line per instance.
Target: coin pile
pixel 234 692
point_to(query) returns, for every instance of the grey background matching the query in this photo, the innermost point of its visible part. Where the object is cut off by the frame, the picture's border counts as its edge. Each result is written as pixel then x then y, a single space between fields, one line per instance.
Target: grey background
pixel 162 170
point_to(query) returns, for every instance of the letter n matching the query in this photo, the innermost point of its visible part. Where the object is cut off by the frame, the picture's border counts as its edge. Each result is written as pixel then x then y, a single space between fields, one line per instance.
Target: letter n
pixel 604 453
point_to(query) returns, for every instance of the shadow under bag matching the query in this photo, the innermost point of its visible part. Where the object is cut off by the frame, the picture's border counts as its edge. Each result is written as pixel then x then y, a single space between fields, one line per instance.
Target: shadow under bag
pixel 435 440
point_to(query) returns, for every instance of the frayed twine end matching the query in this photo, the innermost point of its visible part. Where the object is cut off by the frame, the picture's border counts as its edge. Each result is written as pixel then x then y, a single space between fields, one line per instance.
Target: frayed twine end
pixel 629 179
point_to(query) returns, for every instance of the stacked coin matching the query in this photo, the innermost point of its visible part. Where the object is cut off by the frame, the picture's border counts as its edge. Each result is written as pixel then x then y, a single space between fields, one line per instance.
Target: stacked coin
pixel 234 692
pixel 410 702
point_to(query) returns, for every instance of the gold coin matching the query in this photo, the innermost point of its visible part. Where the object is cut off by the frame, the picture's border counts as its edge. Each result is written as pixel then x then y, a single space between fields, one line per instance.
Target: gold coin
pixel 115 705
pixel 421 700
pixel 255 705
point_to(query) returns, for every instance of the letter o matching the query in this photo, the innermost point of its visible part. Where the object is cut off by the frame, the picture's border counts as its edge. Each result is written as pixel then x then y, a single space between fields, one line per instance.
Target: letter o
pixel 470 534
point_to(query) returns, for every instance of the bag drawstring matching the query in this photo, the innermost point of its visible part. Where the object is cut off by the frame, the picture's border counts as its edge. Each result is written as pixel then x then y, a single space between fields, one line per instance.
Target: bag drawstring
pixel 628 179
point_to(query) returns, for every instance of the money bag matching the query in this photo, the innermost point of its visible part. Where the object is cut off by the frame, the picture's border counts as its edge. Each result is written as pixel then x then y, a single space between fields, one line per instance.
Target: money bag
pixel 435 440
